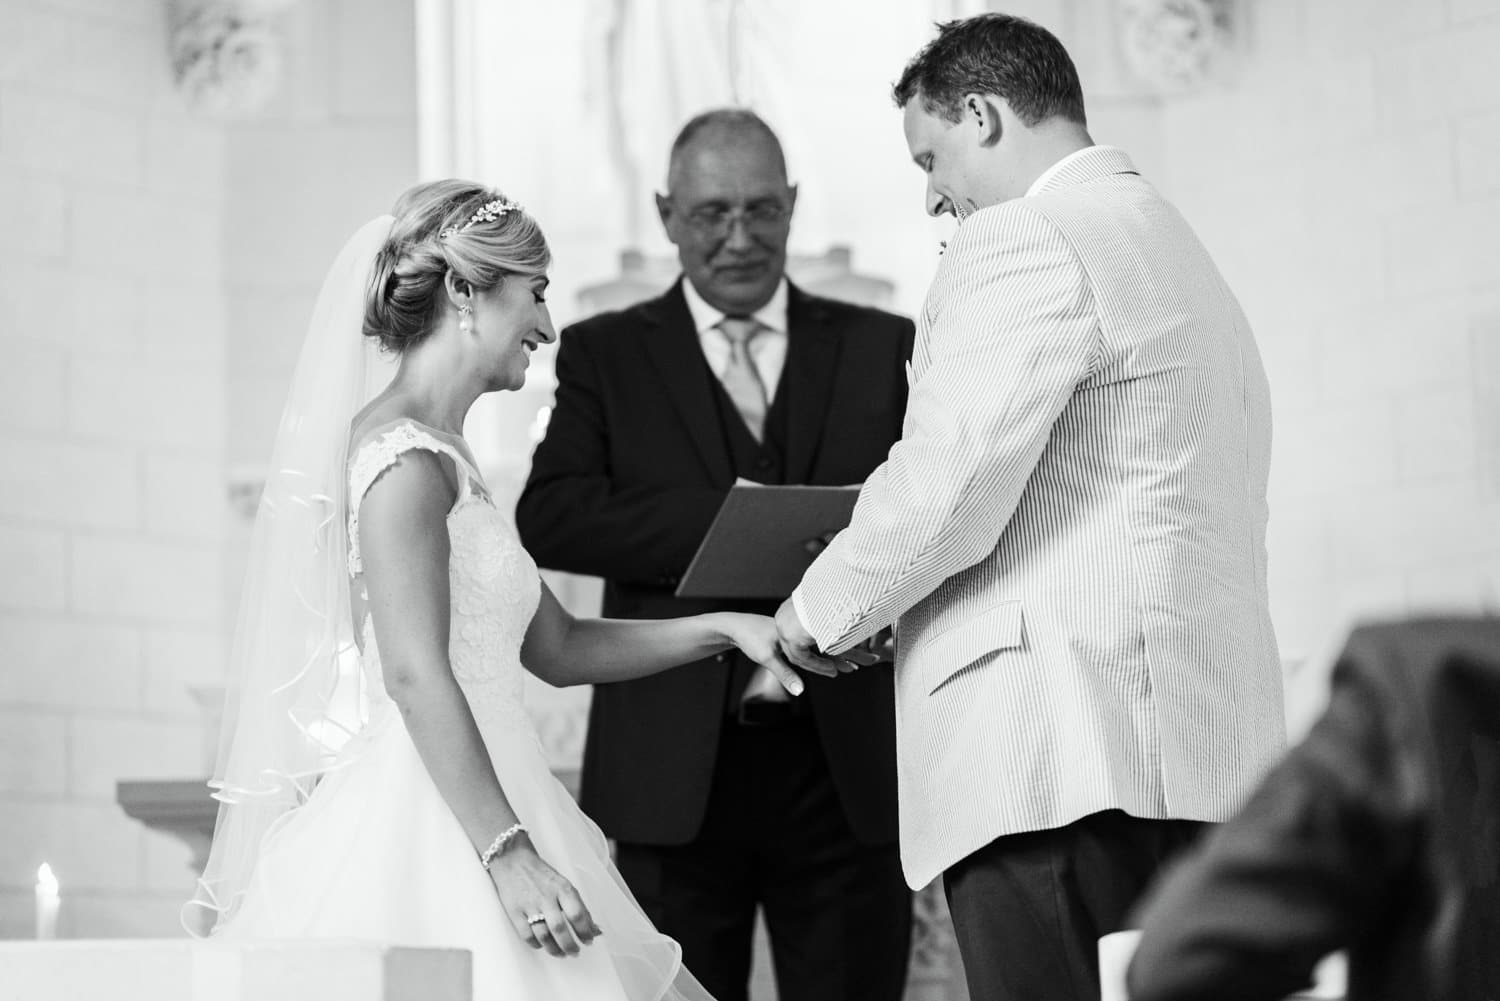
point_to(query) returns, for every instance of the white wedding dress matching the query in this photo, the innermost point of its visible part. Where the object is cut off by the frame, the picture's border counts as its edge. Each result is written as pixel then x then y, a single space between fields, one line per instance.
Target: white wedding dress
pixel 376 853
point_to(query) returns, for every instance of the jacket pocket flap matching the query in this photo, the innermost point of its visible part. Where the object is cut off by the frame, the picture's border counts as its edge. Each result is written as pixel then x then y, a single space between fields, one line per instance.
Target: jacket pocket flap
pixel 995 628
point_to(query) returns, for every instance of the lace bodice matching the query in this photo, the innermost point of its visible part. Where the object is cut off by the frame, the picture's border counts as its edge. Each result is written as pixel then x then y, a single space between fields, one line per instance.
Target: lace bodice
pixel 493 584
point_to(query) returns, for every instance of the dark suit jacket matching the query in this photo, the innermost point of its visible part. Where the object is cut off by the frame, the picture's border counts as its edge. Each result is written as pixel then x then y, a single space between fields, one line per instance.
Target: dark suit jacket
pixel 1379 834
pixel 625 485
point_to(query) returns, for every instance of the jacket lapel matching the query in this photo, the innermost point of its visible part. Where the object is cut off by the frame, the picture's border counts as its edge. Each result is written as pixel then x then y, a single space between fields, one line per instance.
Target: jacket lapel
pixel 672 345
pixel 812 357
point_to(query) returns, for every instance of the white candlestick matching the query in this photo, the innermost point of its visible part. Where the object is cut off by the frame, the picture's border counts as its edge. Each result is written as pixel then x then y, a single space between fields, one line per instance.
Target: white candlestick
pixel 47 901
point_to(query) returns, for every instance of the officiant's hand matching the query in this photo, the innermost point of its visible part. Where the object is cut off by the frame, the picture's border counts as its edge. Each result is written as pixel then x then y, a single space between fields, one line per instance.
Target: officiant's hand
pixel 878 649
pixel 816 545
pixel 528 887
pixel 801 648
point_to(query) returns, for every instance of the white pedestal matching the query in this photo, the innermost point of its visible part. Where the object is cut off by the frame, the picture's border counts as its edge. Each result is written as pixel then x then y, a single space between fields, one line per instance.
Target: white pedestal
pixel 187 970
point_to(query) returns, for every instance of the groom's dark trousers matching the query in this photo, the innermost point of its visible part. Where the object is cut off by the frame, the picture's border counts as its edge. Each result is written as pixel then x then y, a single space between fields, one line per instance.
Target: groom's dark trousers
pixel 1029 909
pixel 713 815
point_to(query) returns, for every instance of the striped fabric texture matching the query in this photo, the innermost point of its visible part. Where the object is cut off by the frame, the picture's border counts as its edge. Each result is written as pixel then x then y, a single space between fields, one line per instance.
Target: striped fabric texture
pixel 1070 535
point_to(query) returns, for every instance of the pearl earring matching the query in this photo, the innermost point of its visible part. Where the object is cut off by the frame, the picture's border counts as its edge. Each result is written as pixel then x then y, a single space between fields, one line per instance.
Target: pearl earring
pixel 466 321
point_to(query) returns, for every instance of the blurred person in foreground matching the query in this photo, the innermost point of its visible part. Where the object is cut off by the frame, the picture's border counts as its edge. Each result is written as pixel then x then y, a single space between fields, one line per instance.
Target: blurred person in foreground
pixel 1379 834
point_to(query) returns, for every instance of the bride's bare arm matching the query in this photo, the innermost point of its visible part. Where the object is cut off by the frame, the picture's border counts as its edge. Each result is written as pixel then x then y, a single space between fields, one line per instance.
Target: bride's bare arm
pixel 563 650
pixel 403 539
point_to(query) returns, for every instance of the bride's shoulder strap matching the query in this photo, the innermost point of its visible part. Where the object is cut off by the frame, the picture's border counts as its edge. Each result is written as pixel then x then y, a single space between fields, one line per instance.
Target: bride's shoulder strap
pixel 378 451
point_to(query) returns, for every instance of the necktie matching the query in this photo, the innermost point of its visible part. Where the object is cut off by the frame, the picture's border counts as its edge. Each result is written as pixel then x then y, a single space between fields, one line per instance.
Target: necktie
pixel 742 382
pixel 740 379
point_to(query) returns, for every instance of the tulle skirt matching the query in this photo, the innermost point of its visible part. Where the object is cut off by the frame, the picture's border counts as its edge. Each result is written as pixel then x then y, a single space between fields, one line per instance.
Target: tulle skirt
pixel 377 854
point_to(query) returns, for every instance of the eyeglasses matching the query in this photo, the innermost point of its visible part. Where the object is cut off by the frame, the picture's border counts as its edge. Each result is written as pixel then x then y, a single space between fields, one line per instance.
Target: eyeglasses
pixel 717 220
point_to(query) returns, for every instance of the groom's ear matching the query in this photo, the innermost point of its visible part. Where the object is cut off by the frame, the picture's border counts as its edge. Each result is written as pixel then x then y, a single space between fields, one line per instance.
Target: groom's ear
pixel 984 113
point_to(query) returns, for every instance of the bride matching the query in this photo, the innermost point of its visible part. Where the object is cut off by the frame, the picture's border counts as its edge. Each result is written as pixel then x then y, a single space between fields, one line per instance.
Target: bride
pixel 379 776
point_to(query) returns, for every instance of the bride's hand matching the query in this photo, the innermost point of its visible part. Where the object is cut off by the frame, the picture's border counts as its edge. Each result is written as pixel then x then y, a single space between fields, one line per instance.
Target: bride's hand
pixel 528 888
pixel 756 637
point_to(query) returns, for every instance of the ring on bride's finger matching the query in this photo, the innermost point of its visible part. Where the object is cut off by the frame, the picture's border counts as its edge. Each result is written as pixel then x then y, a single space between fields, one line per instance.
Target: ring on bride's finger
pixel 536 919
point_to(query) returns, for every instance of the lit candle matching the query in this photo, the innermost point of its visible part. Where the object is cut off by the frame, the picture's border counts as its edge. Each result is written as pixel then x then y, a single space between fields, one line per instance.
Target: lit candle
pixel 46 902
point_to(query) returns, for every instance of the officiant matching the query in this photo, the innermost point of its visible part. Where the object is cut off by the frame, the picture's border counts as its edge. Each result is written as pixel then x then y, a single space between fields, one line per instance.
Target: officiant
pixel 723 794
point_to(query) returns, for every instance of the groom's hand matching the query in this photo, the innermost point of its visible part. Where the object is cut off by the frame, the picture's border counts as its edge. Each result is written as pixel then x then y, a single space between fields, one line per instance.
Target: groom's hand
pixel 799 646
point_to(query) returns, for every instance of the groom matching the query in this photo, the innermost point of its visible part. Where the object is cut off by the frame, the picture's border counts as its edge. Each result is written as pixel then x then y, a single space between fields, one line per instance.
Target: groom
pixel 1070 534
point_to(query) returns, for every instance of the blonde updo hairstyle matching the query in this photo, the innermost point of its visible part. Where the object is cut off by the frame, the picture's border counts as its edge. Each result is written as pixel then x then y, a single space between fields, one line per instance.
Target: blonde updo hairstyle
pixel 406 294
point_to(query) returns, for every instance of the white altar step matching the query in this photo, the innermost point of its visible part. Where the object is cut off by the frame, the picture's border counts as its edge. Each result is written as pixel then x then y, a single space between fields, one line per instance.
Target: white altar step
pixel 187 970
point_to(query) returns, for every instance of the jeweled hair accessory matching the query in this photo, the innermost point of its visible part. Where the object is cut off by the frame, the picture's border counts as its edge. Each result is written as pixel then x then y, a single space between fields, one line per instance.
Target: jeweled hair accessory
pixel 488 212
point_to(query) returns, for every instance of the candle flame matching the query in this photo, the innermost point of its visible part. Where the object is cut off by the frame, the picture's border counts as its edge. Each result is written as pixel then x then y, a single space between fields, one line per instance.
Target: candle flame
pixel 46 880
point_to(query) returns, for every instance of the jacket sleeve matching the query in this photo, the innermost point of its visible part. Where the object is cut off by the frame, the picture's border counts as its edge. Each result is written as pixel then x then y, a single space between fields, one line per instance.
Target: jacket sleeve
pixel 1012 332
pixel 573 515
pixel 1300 872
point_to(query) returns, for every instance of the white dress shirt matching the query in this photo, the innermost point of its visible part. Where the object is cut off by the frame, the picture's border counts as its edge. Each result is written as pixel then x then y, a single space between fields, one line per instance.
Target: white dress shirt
pixel 767 349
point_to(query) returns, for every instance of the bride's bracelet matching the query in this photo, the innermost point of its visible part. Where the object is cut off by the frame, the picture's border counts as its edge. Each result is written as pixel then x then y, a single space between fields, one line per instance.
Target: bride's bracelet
pixel 498 845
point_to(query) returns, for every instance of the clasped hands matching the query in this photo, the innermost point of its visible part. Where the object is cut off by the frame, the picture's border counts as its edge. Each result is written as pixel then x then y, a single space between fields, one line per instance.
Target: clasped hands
pixel 789 645
pixel 799 647
pixel 783 646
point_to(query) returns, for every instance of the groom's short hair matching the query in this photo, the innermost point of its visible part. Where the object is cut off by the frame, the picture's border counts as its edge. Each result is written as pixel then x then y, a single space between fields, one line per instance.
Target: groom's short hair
pixel 998 54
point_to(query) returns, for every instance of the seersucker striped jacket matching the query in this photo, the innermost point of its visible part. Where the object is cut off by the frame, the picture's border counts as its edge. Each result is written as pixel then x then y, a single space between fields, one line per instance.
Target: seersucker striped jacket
pixel 1070 534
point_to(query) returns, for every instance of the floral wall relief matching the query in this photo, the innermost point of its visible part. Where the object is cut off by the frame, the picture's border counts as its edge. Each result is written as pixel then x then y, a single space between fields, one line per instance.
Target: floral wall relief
pixel 226 55
pixel 1178 46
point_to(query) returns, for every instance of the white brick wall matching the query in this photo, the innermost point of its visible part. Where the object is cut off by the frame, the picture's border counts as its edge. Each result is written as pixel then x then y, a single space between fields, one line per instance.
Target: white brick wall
pixel 1347 184
pixel 102 749
pixel 333 150
pixel 33 386
pixel 150 253
pixel 65 663
pixel 35 571
pixel 112 438
pixel 68 484
pixel 33 752
pixel 144 580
